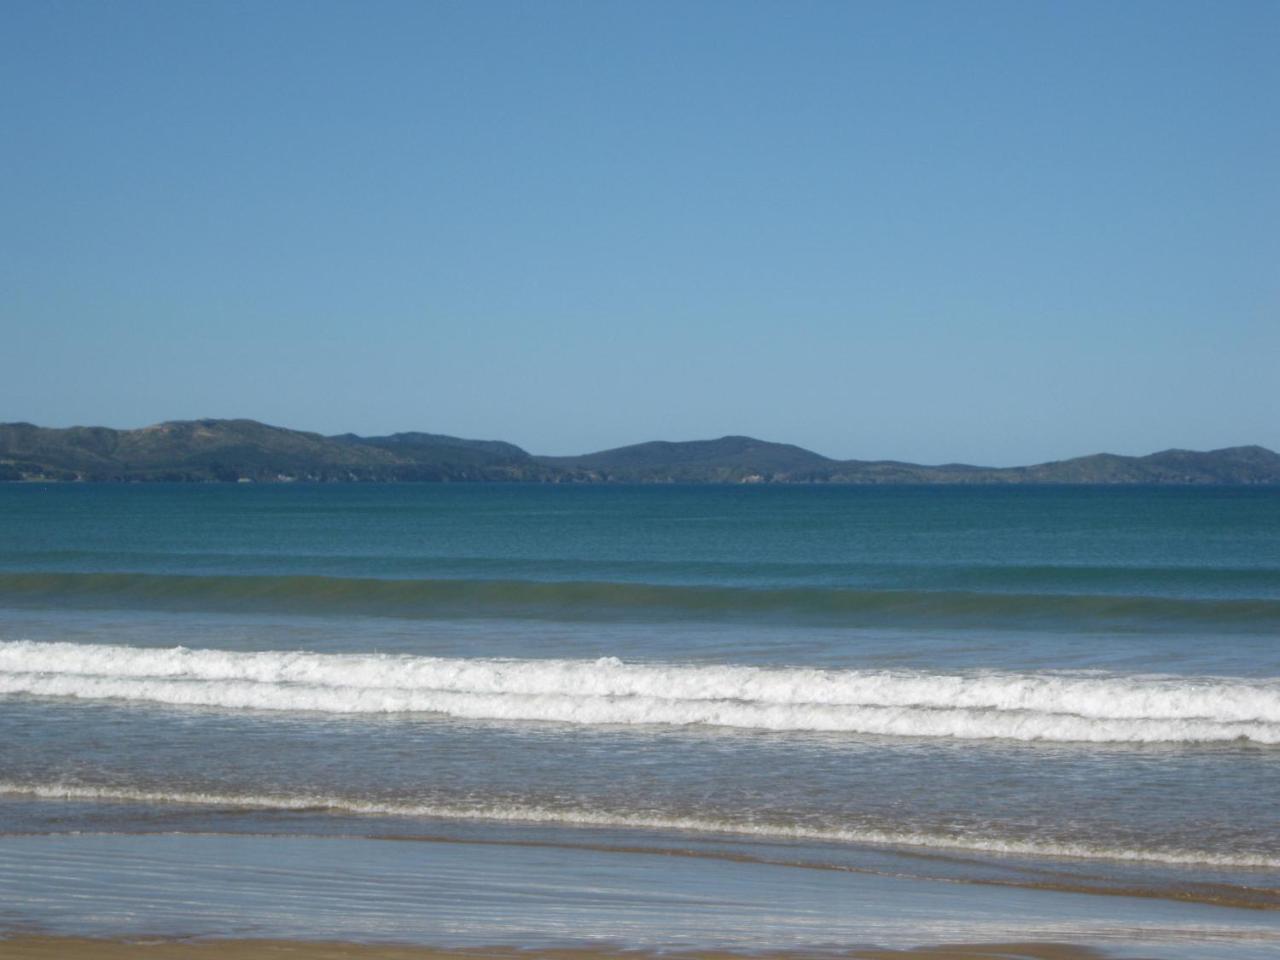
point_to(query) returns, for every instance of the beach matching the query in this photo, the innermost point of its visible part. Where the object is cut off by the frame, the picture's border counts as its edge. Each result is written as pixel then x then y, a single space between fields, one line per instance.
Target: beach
pixel 206 892
pixel 733 480
pixel 404 720
pixel 37 948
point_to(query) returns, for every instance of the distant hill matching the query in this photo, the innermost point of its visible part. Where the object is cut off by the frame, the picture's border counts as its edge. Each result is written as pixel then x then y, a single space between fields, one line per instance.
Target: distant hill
pixel 245 450
pixel 1230 465
pixel 742 459
pixel 232 450
pixel 727 460
pixel 442 450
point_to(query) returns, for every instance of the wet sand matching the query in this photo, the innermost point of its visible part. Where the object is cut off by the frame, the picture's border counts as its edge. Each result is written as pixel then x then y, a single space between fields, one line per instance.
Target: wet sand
pixel 229 897
pixel 67 948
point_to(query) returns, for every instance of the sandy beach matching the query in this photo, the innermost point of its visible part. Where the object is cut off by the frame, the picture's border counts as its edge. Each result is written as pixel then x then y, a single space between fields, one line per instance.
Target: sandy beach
pixel 460 721
pixel 67 948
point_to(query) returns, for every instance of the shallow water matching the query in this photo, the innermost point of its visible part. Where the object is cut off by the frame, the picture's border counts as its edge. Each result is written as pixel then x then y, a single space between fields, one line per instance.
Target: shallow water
pixel 470 895
pixel 1071 689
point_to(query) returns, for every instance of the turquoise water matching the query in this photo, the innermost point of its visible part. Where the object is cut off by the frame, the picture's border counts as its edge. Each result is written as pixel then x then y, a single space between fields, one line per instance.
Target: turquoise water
pixel 1182 542
pixel 1067 688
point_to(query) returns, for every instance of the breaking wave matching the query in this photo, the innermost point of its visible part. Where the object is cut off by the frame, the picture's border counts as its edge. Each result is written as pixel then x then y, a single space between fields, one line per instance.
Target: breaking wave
pixel 1056 707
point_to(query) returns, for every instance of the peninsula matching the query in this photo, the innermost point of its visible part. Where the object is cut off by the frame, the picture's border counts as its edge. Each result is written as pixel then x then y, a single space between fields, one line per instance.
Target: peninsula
pixel 248 451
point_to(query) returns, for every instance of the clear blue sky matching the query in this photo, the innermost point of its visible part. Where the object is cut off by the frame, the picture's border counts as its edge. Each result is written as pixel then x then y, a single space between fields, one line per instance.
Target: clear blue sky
pixel 993 232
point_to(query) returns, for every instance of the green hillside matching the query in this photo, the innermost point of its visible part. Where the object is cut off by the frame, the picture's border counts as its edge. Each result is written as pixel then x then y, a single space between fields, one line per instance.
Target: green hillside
pixel 245 450
pixel 727 460
pixel 234 450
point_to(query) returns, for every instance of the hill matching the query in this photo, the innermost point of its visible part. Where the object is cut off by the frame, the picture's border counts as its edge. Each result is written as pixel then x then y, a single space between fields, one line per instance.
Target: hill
pixel 1251 464
pixel 444 452
pixel 727 460
pixel 245 450
pixel 232 450
pixel 1231 465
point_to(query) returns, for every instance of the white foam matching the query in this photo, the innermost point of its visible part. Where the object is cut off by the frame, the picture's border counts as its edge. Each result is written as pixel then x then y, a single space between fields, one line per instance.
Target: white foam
pixel 520 813
pixel 1110 708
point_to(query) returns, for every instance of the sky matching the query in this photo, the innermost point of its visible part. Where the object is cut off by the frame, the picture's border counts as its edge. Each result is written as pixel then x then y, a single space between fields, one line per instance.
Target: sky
pixel 992 232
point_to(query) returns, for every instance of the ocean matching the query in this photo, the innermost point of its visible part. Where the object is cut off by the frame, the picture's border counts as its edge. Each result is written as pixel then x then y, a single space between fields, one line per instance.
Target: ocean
pixel 657 717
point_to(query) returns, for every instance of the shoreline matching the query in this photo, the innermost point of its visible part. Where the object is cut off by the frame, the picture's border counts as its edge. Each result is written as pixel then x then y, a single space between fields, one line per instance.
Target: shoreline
pixel 83 948
pixel 232 897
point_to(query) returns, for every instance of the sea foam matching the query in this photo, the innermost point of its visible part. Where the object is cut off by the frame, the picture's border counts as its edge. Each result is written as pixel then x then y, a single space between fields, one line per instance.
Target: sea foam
pixel 1048 706
pixel 586 817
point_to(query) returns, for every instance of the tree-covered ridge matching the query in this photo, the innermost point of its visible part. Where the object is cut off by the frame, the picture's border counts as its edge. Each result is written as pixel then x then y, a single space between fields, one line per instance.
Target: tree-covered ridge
pixel 233 450
pixel 245 450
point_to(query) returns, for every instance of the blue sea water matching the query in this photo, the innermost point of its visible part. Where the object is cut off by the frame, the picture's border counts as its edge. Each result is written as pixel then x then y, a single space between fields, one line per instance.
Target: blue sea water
pixel 1031 688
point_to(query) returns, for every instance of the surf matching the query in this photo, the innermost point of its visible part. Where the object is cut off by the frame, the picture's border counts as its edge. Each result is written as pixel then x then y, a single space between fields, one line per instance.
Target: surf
pixel 1089 707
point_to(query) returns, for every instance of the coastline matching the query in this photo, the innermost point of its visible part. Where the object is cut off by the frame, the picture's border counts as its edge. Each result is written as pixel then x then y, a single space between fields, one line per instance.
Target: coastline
pixel 72 948
pixel 622 723
pixel 177 896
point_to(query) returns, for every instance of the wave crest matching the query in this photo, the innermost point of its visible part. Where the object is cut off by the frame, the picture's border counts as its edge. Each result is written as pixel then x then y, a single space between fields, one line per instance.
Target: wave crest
pixel 1108 708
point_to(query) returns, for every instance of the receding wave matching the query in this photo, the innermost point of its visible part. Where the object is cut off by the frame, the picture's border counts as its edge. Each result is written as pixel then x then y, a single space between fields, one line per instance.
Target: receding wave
pixel 1058 707
pixel 567 599
pixel 586 817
